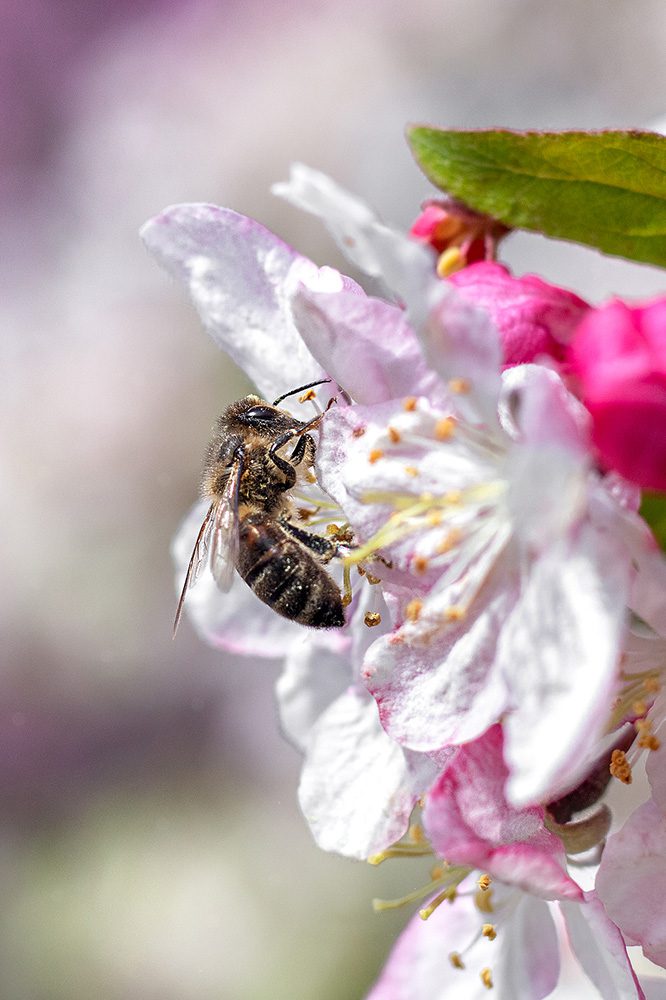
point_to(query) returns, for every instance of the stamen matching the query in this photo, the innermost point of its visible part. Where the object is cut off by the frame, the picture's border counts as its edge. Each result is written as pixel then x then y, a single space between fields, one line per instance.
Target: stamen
pixel 375 455
pixel 450 261
pixel 420 564
pixel 620 767
pixel 413 610
pixel 460 386
pixel 448 894
pixel 456 961
pixel 372 618
pixel 411 470
pixel 444 428
pixel 409 404
pixel 394 435
pixel 358 432
pixel 487 978
pixel 488 931
pixel 346 586
pixel 483 882
pixel 454 613
pixel 483 900
pixel 307 396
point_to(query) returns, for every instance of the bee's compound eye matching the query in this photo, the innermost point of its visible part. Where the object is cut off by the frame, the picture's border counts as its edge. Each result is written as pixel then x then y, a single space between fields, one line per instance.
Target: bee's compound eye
pixel 260 413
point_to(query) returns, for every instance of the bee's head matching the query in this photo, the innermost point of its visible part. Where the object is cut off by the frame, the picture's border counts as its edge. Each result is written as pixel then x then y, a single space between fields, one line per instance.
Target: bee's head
pixel 256 414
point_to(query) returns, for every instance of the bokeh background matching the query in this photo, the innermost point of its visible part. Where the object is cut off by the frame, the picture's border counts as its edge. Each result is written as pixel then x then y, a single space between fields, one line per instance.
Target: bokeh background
pixel 150 840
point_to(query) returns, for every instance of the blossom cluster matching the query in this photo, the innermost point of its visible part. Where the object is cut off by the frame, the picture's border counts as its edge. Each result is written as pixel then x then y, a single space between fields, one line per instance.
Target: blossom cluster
pixel 481 468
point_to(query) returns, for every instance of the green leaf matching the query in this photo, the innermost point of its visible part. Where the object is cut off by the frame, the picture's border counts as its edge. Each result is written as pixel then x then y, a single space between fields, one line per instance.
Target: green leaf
pixel 653 509
pixel 606 189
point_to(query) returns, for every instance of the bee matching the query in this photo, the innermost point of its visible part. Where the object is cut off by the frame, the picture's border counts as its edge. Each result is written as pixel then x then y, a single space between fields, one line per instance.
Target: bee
pixel 249 472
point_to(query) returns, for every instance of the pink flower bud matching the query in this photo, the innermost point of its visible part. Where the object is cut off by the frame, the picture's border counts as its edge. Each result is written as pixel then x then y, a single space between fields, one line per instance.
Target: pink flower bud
pixel 535 319
pixel 448 224
pixel 619 356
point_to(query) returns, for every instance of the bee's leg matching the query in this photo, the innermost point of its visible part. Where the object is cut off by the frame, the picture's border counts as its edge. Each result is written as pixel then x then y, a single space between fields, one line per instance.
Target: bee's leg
pixel 322 547
pixel 286 468
pixel 305 449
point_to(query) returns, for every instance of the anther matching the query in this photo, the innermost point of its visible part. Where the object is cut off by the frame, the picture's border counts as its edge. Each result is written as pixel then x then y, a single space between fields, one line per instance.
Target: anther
pixel 372 618
pixel 358 432
pixel 652 685
pixel 456 961
pixel 394 435
pixel 639 708
pixel 444 428
pixel 450 261
pixel 488 931
pixel 620 767
pixel 375 455
pixel 413 610
pixel 487 978
pixel 483 882
pixel 449 541
pixel 454 613
pixel 411 470
pixel 307 396
pixel 460 386
pixel 409 404
pixel 420 564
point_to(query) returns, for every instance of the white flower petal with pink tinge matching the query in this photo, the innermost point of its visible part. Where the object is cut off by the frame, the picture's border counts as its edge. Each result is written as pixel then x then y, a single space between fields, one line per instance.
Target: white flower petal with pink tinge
pixel 523 960
pixel 601 950
pixel 241 278
pixel 358 787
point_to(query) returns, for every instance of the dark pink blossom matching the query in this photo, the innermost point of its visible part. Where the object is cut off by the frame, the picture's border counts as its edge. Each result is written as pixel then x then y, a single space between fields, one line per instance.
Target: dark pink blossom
pixel 619 356
pixel 535 319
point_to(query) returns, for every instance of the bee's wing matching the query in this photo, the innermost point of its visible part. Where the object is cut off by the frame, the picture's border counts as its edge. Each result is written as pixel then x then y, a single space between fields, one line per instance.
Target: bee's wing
pixel 197 561
pixel 224 535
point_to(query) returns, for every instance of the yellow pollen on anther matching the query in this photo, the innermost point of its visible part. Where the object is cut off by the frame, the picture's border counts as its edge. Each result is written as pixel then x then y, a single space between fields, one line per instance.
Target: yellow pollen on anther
pixel 375 455
pixel 652 685
pixel 394 435
pixel 456 961
pixel 413 610
pixel 444 428
pixel 620 767
pixel 307 396
pixel 372 618
pixel 483 882
pixel 460 386
pixel 420 564
pixel 311 478
pixel 332 529
pixel 450 261
pixel 409 404
pixel 449 541
pixel 639 707
pixel 411 470
pixel 487 978
pixel 488 931
pixel 373 580
pixel 454 613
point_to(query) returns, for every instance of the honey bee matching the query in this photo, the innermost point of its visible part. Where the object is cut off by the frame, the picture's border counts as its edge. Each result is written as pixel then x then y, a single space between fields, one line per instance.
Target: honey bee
pixel 249 524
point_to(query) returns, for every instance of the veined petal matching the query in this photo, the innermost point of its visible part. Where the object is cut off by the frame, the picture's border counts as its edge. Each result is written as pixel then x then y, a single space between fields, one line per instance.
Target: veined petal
pixel 600 949
pixel 442 689
pixel 357 786
pixel 632 880
pixel 366 345
pixel 559 652
pixel 241 277
pixel 404 265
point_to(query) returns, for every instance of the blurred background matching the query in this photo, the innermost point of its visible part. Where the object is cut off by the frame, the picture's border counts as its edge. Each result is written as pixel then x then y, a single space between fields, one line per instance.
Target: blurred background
pixel 150 839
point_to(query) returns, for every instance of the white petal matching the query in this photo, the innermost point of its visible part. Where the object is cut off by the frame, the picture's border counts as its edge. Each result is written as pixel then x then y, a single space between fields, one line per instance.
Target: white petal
pixel 357 787
pixel 600 949
pixel 241 278
pixel 405 266
pixel 559 652
pixel 313 677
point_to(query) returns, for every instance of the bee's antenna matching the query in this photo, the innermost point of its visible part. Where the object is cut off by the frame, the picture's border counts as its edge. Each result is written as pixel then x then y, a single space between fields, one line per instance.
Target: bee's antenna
pixel 292 392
